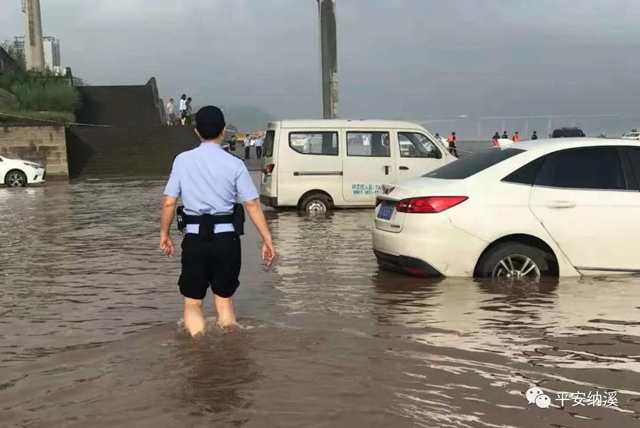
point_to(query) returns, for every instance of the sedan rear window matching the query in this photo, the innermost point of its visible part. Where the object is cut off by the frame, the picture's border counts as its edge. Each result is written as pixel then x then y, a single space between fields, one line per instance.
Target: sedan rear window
pixel 473 164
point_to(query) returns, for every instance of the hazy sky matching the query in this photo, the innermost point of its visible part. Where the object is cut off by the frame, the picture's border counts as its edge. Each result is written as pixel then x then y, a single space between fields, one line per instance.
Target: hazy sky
pixel 397 58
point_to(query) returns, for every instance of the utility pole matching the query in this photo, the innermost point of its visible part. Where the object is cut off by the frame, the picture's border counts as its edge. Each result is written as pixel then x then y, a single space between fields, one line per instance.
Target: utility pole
pixel 329 58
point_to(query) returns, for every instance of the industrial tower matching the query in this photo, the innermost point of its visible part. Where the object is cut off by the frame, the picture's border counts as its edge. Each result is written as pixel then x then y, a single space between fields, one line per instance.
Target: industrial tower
pixel 34 45
pixel 329 58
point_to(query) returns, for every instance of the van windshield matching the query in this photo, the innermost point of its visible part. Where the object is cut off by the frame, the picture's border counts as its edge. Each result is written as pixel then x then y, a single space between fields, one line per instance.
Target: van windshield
pixel 268 144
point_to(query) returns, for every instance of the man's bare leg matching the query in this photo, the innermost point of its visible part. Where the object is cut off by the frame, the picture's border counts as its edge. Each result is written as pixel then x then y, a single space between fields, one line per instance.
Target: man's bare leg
pixel 193 317
pixel 226 314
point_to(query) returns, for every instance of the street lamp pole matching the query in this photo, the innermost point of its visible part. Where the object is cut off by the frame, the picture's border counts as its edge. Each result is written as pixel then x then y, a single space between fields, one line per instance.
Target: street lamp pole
pixel 328 58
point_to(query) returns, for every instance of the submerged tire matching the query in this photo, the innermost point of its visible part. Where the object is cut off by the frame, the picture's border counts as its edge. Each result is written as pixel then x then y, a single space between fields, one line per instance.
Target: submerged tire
pixel 515 261
pixel 15 178
pixel 316 203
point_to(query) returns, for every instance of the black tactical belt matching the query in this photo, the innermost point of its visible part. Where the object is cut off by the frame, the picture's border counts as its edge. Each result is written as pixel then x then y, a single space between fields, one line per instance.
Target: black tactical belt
pixel 207 222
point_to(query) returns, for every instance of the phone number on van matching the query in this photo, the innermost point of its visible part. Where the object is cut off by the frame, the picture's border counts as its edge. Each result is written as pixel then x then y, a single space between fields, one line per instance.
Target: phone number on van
pixel 366 189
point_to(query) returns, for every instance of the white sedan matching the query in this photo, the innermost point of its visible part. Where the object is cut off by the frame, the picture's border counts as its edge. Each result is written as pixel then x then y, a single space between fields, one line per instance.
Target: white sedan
pixel 20 173
pixel 563 207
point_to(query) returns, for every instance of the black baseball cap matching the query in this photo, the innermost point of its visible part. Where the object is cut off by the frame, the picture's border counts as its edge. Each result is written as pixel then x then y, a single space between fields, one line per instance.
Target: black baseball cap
pixel 210 122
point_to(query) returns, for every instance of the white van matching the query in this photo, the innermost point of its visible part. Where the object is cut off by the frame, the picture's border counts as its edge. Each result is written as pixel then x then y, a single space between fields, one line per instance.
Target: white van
pixel 316 165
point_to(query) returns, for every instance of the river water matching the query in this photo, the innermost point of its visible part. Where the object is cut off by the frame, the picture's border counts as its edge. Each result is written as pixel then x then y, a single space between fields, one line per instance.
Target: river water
pixel 90 330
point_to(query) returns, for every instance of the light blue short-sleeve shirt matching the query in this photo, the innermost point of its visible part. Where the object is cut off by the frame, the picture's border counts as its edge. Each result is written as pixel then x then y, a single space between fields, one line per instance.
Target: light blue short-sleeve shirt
pixel 210 181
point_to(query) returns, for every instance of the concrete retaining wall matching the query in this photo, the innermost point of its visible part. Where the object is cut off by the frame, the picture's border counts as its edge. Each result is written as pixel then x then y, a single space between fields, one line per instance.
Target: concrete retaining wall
pixel 45 145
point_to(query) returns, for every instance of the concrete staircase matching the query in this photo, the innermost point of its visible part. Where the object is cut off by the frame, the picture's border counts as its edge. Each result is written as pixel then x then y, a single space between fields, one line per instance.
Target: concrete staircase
pixel 126 152
pixel 119 105
pixel 131 141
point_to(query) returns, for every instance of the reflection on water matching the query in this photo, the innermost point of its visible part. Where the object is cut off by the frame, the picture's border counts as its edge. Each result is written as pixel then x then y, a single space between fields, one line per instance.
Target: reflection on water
pixel 89 330
pixel 214 369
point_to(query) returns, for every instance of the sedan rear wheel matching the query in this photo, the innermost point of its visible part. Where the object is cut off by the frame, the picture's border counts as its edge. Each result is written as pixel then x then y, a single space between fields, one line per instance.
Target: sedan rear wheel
pixel 514 260
pixel 516 266
pixel 15 178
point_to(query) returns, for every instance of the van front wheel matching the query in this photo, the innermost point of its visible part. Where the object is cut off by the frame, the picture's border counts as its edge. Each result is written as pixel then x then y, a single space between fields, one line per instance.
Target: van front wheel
pixel 316 203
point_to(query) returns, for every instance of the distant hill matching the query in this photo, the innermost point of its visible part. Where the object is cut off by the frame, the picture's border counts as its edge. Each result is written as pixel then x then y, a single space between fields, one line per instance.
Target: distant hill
pixel 246 118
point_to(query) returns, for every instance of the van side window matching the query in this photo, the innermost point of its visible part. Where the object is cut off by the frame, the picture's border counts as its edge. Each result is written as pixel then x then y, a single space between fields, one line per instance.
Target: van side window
pixel 314 143
pixel 369 144
pixel 268 143
pixel 416 145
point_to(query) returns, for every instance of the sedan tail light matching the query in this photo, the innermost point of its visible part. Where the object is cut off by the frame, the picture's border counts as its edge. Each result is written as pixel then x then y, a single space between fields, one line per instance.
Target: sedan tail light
pixel 429 204
pixel 269 168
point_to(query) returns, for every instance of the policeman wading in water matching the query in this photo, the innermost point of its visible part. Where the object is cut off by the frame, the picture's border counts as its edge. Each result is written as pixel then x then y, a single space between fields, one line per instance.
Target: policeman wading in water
pixel 211 182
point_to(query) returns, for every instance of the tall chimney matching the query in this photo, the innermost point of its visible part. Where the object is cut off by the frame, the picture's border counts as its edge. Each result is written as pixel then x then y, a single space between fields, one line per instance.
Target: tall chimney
pixel 329 58
pixel 34 45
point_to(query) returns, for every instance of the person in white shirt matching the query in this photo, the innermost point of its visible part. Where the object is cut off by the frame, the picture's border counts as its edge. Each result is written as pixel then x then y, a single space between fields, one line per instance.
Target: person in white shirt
pixel 170 114
pixel 366 142
pixel 247 147
pixel 259 142
pixel 183 109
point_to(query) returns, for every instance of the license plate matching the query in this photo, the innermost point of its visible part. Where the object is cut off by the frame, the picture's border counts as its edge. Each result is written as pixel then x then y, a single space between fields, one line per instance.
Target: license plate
pixel 386 210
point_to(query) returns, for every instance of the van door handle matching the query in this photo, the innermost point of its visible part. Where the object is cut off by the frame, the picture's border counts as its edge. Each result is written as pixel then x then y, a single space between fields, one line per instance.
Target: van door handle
pixel 386 169
pixel 404 168
pixel 558 205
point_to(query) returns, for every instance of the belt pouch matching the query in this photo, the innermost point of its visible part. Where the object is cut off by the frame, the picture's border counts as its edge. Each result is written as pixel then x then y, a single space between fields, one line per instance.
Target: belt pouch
pixel 181 219
pixel 206 225
pixel 238 219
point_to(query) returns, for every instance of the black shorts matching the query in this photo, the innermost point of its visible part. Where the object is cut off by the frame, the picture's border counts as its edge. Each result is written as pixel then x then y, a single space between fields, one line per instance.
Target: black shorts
pixel 210 262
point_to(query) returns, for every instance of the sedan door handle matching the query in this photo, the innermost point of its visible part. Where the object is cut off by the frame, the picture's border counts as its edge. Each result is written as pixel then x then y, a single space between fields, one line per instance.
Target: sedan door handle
pixel 404 168
pixel 557 205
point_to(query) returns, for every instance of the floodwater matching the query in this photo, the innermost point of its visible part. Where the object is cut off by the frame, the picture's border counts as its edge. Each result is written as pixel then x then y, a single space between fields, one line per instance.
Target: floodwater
pixel 90 330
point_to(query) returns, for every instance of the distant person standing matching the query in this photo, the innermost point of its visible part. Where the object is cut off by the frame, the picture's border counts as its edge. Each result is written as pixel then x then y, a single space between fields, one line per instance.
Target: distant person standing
pixel 535 135
pixel 189 110
pixel 366 144
pixel 496 137
pixel 170 114
pixel 247 147
pixel 505 135
pixel 453 144
pixel 183 109
pixel 516 137
pixel 441 139
pixel 259 142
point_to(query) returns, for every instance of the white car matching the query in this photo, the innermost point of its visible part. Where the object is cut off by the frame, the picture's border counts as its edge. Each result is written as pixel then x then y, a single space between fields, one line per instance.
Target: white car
pixel 563 207
pixel 20 173
pixel 633 135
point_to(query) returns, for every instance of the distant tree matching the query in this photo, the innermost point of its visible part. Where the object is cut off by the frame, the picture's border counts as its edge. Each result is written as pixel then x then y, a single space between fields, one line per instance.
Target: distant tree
pixel 15 52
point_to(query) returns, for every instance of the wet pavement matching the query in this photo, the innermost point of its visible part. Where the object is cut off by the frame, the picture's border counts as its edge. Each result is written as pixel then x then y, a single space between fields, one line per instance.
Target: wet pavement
pixel 90 330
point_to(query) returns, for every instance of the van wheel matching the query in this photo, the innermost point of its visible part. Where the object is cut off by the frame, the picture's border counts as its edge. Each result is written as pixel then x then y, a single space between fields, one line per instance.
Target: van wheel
pixel 316 203
pixel 514 260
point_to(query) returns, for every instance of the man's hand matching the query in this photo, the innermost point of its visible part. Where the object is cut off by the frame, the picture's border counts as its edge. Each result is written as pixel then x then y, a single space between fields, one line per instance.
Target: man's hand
pixel 257 216
pixel 268 252
pixel 166 245
pixel 166 218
